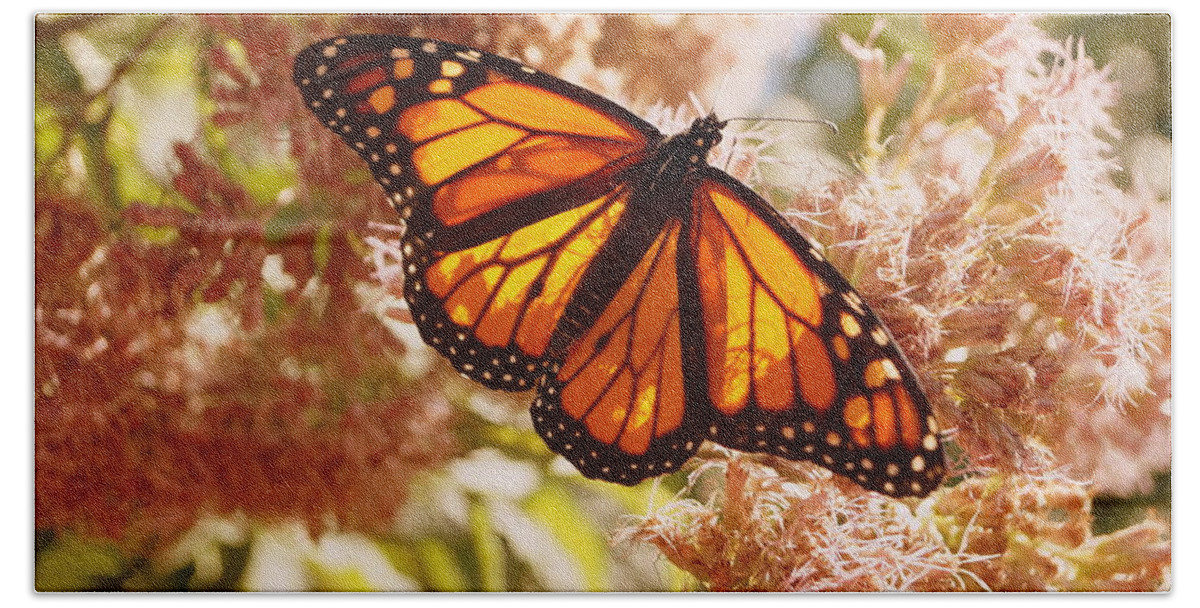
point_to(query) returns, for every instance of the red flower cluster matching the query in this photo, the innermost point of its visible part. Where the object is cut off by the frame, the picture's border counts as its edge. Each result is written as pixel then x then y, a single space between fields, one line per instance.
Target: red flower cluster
pixel 177 377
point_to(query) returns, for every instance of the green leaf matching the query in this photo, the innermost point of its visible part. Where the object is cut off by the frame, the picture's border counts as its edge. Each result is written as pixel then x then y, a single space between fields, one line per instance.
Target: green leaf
pixel 339 579
pixel 322 249
pixel 74 564
pixel 401 557
pixel 286 220
pixel 52 68
pixel 555 508
pixel 442 571
pixel 489 551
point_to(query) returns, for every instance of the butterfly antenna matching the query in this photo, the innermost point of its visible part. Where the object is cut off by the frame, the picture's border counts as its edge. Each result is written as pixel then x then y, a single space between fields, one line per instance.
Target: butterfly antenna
pixel 729 157
pixel 720 89
pixel 827 123
pixel 699 107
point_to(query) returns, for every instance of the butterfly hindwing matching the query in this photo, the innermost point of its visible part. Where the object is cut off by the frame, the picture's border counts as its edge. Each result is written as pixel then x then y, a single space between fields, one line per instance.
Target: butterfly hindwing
pixel 491 307
pixel 798 365
pixel 619 404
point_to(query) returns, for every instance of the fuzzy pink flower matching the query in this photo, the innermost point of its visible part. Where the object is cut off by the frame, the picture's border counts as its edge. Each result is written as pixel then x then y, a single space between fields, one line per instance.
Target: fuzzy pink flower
pixel 988 233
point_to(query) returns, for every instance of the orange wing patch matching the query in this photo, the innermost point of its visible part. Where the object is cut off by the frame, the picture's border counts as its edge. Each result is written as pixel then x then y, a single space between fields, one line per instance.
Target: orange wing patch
pixel 785 277
pixel 761 307
pixel 909 419
pixel 540 110
pixel 512 290
pixel 814 369
pixel 440 158
pixel 432 118
pixel 537 164
pixel 623 378
pixel 504 141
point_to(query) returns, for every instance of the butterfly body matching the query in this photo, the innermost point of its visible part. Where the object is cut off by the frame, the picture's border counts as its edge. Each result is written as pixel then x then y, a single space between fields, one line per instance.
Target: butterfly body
pixel 558 243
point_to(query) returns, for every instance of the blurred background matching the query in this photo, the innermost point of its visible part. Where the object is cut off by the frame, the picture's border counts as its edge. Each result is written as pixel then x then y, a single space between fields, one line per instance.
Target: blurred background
pixel 226 395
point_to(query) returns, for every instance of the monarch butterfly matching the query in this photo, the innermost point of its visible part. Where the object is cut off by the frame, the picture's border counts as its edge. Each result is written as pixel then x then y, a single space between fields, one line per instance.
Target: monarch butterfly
pixel 555 241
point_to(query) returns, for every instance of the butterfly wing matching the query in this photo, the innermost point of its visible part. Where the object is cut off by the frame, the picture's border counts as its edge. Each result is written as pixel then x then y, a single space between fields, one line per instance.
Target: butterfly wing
pixel 509 180
pixel 797 364
pixel 623 403
pixel 491 308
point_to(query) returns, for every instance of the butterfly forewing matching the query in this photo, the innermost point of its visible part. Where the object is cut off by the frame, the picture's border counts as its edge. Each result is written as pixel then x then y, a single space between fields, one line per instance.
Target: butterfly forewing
pixel 454 134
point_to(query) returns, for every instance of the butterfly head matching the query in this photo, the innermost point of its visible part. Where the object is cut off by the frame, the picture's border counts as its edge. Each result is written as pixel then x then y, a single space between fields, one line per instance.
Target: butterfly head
pixel 694 145
pixel 705 132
